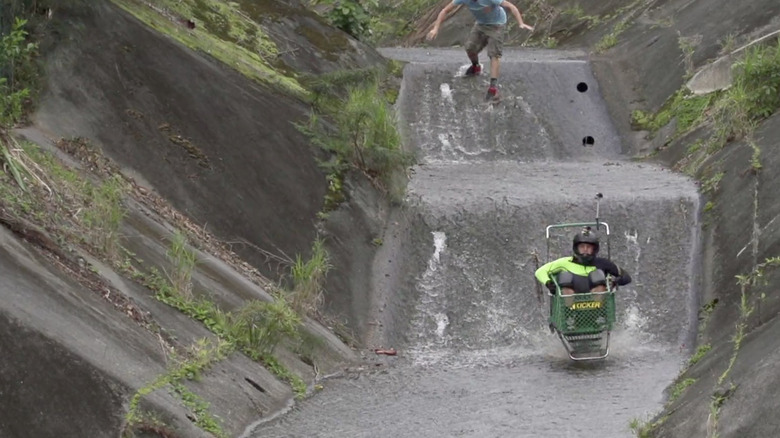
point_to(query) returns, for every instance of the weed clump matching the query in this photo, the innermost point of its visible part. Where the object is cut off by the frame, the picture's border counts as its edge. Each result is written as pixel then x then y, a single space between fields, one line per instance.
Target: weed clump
pixel 731 114
pixel 356 125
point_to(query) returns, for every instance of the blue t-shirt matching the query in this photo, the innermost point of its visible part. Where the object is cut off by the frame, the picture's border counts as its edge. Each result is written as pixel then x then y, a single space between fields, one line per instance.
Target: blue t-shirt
pixel 485 11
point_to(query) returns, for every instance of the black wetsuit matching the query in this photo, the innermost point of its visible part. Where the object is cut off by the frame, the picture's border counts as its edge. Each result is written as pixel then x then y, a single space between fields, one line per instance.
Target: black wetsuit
pixel 621 276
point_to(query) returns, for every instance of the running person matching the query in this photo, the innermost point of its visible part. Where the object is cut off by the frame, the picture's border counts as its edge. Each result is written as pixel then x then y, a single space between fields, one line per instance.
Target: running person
pixel 488 31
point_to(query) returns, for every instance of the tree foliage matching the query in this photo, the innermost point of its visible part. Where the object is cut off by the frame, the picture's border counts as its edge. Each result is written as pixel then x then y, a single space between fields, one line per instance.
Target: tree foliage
pixel 351 16
pixel 15 59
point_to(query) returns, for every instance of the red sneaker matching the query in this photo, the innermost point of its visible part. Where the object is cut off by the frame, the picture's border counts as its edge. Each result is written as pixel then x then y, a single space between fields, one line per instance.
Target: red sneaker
pixel 473 70
pixel 492 93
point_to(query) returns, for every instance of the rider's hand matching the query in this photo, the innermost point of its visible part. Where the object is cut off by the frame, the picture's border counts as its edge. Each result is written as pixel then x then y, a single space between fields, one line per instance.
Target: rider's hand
pixel 551 287
pixel 432 34
pixel 525 26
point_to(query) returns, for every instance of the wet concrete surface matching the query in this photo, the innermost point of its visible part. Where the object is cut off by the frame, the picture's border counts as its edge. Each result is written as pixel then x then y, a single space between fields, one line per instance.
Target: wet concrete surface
pixel 478 359
pixel 549 109
pixel 515 396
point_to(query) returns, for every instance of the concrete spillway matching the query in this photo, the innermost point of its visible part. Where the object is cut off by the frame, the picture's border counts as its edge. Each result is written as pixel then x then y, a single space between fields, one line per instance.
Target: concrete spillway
pixel 477 359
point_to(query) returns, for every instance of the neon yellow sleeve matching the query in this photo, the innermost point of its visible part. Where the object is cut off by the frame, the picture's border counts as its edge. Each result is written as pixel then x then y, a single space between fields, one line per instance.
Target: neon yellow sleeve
pixel 543 273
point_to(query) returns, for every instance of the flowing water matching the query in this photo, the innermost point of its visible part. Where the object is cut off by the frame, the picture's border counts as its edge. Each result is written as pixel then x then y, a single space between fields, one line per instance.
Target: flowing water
pixel 477 358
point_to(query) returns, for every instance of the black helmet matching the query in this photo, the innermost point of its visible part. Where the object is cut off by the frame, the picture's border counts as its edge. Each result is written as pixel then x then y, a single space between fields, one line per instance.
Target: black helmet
pixel 585 236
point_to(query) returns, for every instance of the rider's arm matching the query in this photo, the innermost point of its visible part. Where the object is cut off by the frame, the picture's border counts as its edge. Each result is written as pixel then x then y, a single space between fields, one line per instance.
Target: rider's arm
pixel 624 277
pixel 516 12
pixel 551 268
pixel 621 276
pixel 440 19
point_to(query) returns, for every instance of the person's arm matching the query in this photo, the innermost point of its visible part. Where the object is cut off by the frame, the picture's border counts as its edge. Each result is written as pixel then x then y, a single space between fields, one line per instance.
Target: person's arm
pixel 543 273
pixel 551 268
pixel 624 278
pixel 543 276
pixel 620 276
pixel 440 19
pixel 516 12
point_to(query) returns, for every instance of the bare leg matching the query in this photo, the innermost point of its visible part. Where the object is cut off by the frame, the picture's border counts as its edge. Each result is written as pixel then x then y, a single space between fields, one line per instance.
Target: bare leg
pixel 568 293
pixel 495 63
pixel 599 288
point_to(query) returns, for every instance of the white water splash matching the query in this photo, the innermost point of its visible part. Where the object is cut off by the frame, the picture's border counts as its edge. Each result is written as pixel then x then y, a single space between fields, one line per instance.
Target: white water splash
pixel 439 244
pixel 632 237
pixel 631 336
pixel 632 242
pixel 430 298
pixel 444 138
pixel 633 333
pixel 446 92
pixel 633 320
pixel 462 69
pixel 441 324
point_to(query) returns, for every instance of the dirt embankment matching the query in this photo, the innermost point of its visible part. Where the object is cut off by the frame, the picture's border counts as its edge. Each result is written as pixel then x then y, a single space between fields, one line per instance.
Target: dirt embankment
pixel 215 153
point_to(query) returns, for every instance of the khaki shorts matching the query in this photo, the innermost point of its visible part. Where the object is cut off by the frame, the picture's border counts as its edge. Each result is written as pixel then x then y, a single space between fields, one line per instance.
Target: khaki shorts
pixel 490 35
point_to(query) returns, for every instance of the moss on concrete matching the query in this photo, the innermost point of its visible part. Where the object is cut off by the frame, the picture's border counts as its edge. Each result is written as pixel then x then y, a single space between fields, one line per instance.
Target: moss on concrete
pixel 273 9
pixel 219 30
pixel 330 44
